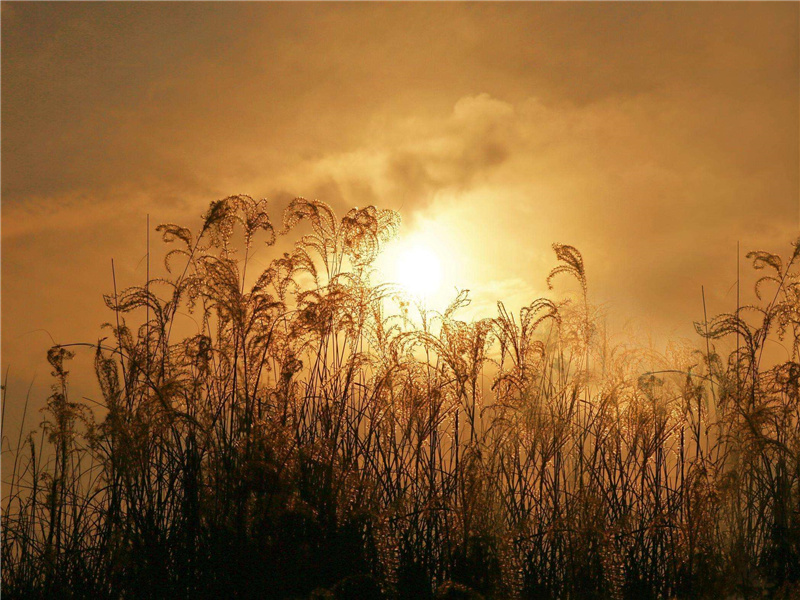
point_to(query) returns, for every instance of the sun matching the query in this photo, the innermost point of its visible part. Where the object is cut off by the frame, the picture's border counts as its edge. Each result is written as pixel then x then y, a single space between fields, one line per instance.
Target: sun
pixel 419 271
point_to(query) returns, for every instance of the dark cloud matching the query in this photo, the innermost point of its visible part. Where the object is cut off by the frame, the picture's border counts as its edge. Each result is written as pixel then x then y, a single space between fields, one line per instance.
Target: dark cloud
pixel 472 145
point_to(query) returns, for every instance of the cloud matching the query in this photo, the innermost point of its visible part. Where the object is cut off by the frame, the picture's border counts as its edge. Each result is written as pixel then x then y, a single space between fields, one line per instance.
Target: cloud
pixel 652 136
pixel 647 187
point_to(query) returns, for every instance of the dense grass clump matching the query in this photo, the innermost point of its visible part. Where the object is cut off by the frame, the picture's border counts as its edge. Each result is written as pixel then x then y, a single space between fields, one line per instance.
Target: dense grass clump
pixel 321 436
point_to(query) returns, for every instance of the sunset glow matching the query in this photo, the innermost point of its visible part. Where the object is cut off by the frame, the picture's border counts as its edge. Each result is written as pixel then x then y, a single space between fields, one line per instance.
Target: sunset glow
pixel 419 270
pixel 398 300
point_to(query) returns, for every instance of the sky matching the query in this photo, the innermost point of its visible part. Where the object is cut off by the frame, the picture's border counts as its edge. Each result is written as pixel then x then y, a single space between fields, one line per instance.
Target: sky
pixel 652 136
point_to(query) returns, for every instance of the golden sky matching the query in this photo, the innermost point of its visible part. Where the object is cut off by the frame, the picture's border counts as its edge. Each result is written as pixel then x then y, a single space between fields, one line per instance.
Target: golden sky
pixel 652 136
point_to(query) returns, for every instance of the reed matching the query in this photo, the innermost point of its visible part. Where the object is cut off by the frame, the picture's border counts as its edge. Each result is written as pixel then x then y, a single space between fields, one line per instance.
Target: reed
pixel 321 435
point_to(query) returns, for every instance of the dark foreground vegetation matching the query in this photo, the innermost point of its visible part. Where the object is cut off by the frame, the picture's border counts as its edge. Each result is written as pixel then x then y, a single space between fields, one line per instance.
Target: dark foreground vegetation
pixel 318 436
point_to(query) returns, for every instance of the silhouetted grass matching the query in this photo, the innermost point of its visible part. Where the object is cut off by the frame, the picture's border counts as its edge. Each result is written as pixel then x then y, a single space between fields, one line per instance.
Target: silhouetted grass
pixel 321 436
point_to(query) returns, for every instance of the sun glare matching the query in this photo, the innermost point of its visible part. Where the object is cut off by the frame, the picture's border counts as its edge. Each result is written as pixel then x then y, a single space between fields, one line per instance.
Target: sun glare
pixel 419 271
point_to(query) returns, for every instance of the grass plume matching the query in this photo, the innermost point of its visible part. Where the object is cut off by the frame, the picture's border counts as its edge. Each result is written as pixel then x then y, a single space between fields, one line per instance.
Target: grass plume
pixel 321 435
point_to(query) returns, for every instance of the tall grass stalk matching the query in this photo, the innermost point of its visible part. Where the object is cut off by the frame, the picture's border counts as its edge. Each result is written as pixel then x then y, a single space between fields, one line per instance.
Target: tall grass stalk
pixel 320 431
